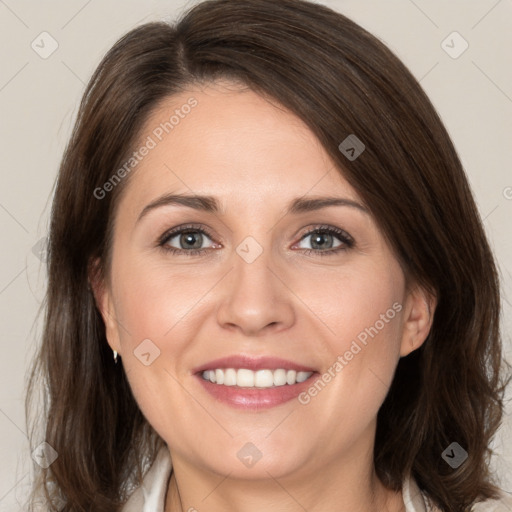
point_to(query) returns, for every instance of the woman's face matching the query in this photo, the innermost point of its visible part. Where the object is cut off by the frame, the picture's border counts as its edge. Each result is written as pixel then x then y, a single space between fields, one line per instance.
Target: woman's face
pixel 269 280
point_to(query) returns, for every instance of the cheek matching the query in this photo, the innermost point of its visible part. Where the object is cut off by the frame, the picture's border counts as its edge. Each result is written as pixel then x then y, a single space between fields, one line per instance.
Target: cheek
pixel 363 312
pixel 155 312
pixel 361 303
pixel 153 301
pixel 368 311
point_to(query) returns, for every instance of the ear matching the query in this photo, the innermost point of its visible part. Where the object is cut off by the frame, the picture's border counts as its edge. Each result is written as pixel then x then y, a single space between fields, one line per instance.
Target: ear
pixel 104 303
pixel 418 318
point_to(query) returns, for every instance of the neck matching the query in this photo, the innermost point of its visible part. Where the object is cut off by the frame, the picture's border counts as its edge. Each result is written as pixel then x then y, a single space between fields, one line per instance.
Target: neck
pixel 352 488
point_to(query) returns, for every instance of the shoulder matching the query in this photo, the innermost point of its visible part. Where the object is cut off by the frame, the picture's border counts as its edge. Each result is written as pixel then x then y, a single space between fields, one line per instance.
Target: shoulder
pixel 414 499
pixel 503 504
pixel 150 495
pixel 417 501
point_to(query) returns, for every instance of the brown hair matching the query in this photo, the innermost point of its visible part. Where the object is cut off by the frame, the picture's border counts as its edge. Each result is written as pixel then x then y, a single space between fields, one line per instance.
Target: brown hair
pixel 339 80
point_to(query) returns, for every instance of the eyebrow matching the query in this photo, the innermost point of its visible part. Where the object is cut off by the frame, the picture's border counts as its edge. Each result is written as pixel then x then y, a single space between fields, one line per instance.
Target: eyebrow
pixel 211 205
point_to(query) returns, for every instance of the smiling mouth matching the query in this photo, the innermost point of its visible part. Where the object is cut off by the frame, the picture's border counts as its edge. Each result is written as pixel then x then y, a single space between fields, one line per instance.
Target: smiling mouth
pixel 259 379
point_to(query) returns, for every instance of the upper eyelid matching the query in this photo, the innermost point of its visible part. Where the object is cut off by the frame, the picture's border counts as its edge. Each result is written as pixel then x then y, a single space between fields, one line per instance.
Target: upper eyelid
pixel 341 234
pixel 178 230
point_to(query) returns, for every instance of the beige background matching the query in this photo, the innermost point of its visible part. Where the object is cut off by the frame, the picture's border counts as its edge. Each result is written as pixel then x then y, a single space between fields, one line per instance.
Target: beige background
pixel 38 102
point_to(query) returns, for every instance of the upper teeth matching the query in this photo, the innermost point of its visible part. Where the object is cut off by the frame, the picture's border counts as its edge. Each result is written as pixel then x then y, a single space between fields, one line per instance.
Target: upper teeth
pixel 260 379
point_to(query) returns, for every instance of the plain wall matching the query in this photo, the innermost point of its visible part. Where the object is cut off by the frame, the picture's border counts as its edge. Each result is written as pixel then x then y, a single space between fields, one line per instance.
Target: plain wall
pixel 38 103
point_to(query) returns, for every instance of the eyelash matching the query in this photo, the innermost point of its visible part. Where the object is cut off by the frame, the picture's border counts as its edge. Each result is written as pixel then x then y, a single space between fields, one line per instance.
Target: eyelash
pixel 346 240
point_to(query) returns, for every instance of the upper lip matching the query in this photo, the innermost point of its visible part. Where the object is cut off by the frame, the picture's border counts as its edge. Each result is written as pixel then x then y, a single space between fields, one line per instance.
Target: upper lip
pixel 252 363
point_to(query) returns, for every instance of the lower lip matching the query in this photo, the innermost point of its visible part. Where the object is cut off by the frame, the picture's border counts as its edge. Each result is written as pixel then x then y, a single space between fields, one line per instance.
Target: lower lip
pixel 255 398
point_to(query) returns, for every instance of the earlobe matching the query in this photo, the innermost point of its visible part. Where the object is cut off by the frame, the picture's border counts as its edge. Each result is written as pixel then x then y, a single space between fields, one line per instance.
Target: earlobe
pixel 418 319
pixel 103 300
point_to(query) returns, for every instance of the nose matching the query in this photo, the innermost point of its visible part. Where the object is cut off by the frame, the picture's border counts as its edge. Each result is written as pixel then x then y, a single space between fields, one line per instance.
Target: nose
pixel 255 299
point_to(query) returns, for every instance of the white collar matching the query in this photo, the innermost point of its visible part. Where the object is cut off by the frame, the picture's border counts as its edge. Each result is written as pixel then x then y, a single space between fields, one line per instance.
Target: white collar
pixel 150 496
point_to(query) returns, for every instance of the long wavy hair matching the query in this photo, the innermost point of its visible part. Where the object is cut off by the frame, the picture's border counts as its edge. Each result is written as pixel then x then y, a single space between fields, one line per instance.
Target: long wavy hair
pixel 340 80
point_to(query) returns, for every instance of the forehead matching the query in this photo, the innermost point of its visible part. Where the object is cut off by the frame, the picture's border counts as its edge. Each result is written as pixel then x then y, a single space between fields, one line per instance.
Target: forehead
pixel 227 141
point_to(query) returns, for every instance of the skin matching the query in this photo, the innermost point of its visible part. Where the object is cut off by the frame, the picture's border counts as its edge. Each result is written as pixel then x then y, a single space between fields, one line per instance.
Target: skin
pixel 255 157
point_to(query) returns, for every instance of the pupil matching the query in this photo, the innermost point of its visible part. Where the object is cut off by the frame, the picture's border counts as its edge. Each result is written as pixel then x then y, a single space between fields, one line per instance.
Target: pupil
pixel 194 239
pixel 319 242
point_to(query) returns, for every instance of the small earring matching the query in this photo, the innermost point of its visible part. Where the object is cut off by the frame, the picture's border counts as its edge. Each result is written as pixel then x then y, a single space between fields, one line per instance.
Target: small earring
pixel 115 356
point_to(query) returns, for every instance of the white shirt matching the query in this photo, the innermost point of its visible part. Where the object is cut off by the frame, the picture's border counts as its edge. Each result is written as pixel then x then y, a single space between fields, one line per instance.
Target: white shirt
pixel 150 496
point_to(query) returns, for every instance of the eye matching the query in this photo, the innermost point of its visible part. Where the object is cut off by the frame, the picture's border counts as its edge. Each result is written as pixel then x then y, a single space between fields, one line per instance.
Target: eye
pixel 189 240
pixel 326 240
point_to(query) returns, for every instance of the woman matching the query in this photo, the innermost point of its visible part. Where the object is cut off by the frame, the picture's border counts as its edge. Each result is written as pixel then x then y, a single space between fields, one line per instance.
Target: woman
pixel 269 284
